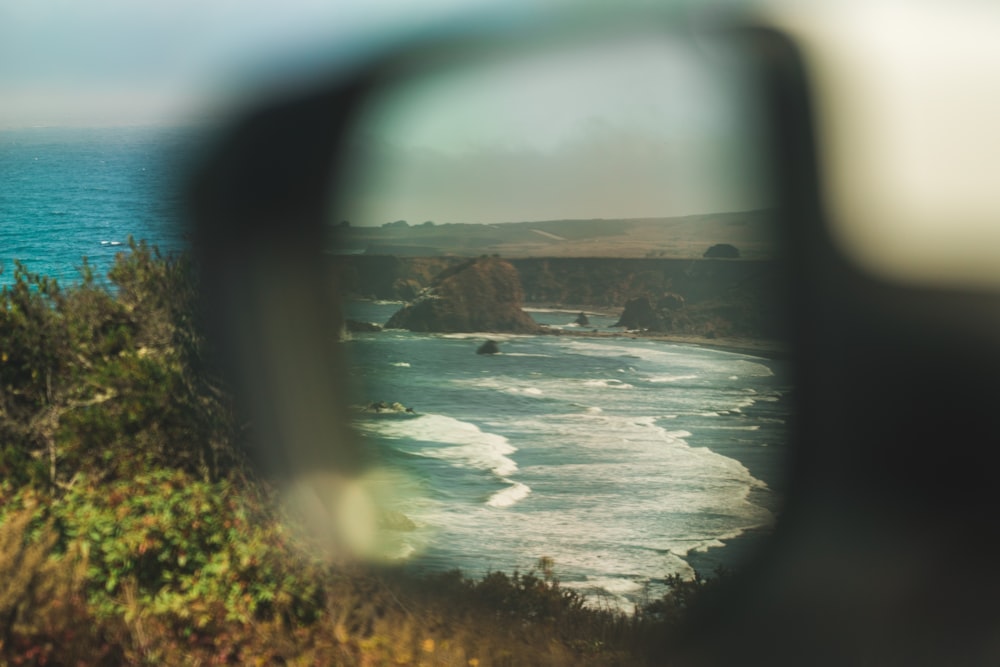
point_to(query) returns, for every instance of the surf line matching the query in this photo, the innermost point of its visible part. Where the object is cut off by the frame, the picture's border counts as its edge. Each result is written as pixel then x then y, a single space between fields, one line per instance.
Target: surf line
pixel 509 496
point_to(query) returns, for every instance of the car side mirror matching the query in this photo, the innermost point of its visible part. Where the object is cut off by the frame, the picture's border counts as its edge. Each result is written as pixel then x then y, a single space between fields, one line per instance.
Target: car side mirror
pixel 862 561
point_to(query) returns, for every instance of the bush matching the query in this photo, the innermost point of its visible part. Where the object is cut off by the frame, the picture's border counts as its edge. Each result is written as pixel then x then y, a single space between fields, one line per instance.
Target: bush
pixel 109 382
pixel 722 251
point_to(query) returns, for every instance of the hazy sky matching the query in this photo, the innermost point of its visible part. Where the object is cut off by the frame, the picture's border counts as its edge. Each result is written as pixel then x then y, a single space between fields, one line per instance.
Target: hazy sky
pixel 626 130
pixel 640 126
pixel 106 62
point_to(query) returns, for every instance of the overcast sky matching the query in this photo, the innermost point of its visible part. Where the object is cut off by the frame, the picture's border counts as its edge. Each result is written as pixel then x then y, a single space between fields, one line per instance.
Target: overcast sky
pixel 640 126
pixel 635 128
pixel 106 62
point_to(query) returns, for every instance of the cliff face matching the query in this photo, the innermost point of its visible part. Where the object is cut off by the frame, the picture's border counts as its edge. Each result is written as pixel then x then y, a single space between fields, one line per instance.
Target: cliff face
pixel 610 282
pixel 478 295
pixel 594 281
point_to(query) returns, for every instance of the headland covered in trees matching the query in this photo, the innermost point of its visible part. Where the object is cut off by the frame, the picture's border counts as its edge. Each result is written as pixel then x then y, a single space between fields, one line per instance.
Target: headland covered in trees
pixel 711 280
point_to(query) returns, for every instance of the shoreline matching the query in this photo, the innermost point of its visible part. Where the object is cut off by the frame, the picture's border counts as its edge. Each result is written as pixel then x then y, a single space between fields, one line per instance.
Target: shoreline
pixel 766 348
pixel 756 347
pixel 735 552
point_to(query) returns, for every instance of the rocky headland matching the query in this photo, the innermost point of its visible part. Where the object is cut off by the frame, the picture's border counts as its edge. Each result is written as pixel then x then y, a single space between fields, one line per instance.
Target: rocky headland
pixel 705 298
pixel 482 294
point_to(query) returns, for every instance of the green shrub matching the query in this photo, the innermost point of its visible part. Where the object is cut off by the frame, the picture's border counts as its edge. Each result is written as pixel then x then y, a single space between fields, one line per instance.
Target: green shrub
pixel 108 382
pixel 190 550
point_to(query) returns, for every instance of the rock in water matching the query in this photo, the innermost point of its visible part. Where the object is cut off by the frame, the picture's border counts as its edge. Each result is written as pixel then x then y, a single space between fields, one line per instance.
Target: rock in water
pixel 383 408
pixel 640 314
pixel 479 295
pixel 489 347
pixel 582 319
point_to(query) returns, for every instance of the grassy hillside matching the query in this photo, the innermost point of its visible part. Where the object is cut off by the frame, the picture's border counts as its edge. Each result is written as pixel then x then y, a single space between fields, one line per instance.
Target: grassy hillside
pixel 684 237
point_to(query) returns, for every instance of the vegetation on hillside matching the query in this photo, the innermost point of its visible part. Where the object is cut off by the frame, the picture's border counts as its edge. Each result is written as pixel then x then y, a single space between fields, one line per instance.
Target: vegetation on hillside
pixel 132 530
pixel 719 298
pixel 481 294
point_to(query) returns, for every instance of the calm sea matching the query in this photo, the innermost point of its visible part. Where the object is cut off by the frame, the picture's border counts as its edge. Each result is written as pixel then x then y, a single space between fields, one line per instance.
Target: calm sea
pixel 66 193
pixel 622 460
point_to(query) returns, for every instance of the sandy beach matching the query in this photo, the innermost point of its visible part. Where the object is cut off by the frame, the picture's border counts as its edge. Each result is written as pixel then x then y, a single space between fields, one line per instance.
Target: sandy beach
pixel 758 347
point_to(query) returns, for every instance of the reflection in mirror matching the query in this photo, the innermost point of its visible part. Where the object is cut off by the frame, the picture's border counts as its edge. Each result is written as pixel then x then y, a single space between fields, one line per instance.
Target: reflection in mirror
pixel 561 320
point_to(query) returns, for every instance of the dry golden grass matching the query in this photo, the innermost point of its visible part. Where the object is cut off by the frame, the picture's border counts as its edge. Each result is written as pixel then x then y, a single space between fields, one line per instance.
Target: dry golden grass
pixel 369 619
pixel 44 617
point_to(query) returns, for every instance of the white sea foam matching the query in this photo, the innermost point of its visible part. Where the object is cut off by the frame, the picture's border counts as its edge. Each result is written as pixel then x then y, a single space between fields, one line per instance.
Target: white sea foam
pixel 504 384
pixel 727 364
pixel 670 378
pixel 467 445
pixel 524 391
pixel 481 335
pixel 401 364
pixel 608 592
pixel 608 384
pixel 510 495
pixel 527 354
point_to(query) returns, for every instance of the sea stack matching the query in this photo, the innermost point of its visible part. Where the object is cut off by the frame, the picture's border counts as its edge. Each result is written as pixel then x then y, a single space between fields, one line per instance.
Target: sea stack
pixel 641 313
pixel 479 295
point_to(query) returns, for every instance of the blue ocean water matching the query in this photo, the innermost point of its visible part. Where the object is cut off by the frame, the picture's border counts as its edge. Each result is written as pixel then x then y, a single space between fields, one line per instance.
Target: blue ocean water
pixel 66 193
pixel 621 459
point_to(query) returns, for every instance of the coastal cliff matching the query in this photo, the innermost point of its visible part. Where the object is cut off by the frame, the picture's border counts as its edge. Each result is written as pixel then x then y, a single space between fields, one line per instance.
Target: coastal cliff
pixel 707 297
pixel 477 295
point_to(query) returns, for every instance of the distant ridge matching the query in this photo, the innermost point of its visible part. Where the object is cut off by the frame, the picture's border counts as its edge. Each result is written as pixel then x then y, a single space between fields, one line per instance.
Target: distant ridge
pixel 685 236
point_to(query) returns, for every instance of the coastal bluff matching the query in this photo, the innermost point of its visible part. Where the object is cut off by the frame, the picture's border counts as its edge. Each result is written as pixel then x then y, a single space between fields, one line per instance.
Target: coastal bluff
pixel 705 297
pixel 482 294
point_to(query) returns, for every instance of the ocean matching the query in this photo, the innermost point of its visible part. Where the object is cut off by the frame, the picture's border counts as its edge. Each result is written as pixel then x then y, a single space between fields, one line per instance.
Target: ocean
pixel 69 193
pixel 623 460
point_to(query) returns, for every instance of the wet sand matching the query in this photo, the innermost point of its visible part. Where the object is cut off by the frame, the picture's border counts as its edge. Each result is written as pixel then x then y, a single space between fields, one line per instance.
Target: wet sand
pixel 769 349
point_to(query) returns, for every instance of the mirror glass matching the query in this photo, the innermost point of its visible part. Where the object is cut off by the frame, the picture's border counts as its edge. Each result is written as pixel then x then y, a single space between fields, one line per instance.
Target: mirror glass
pixel 560 274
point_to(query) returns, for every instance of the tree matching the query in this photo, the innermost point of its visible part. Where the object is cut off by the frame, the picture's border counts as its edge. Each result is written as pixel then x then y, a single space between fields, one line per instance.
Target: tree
pixel 722 251
pixel 106 383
